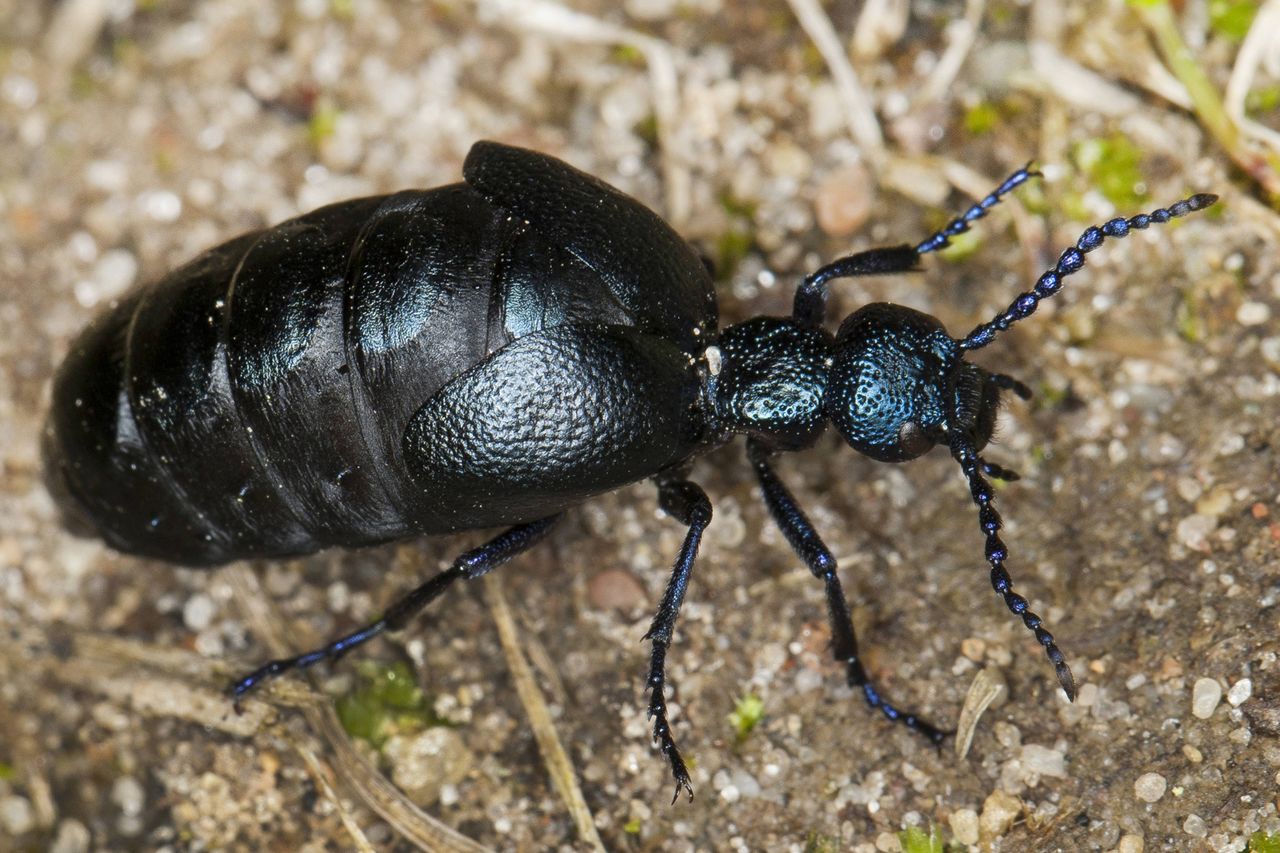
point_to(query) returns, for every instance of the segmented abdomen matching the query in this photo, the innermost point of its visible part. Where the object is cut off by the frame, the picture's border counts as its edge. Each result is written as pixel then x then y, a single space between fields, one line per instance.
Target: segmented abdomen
pixel 253 402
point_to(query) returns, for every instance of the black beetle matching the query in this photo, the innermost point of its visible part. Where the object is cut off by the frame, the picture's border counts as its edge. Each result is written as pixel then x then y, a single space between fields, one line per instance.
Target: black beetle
pixel 491 353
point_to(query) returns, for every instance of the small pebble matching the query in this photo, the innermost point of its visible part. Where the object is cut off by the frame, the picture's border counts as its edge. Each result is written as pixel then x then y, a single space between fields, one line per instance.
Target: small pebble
pixel 1253 313
pixel 1044 761
pixel 127 793
pixel 999 811
pixel 199 611
pixel 888 842
pixel 1240 692
pixel 1130 843
pixel 615 589
pixel 424 763
pixel 72 837
pixel 16 816
pixel 973 648
pixel 1193 531
pixel 1195 826
pixel 844 200
pixel 1205 696
pixel 964 826
pixel 1150 787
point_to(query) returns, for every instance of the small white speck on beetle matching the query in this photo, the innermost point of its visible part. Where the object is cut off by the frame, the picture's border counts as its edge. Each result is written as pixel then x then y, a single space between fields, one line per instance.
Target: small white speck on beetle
pixel 714 360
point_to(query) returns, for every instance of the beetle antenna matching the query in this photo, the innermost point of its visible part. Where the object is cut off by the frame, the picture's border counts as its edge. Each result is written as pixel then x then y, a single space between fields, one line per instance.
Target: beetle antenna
pixel 1072 260
pixel 989 520
pixel 941 239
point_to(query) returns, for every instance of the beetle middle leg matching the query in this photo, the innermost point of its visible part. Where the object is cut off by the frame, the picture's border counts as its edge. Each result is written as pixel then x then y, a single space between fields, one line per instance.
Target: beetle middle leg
pixel 472 564
pixel 805 541
pixel 688 504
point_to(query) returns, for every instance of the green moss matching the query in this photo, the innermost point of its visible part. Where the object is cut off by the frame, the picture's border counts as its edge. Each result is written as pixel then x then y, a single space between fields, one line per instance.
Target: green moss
pixel 323 121
pixel 632 827
pixel 1113 166
pixel 343 9
pixel 916 840
pixel 735 206
pixel 1264 100
pixel 628 54
pixel 385 701
pixel 817 842
pixel 733 245
pixel 7 772
pixel 647 129
pixel 1231 19
pixel 747 714
pixel 1189 320
pixel 1264 842
pixel 981 118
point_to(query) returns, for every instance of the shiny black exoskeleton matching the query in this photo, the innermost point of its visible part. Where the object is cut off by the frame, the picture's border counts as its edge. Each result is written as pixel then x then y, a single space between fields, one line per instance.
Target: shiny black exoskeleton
pixel 491 353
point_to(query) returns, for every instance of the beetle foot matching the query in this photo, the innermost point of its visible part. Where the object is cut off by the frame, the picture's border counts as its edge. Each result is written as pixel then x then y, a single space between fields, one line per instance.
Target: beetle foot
pixel 891 712
pixel 657 712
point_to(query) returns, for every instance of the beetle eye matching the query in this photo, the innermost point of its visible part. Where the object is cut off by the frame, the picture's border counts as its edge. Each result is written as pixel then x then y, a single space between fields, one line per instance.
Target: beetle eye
pixel 913 441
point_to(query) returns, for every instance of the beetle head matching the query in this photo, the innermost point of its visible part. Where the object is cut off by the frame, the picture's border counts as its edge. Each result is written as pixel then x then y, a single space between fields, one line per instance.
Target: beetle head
pixel 899 385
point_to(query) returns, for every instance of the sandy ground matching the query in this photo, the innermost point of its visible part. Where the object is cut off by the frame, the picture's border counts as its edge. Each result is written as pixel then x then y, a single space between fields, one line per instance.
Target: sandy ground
pixel 1146 529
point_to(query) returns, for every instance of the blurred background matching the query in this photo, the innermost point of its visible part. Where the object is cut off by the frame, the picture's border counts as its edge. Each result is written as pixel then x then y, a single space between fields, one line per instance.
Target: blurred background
pixel 775 136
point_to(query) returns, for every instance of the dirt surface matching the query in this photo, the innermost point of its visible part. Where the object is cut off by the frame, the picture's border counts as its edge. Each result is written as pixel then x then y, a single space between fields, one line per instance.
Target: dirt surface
pixel 1146 529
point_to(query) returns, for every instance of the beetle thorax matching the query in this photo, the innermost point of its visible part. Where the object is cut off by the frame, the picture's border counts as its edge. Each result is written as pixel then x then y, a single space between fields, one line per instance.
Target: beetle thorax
pixel 772 379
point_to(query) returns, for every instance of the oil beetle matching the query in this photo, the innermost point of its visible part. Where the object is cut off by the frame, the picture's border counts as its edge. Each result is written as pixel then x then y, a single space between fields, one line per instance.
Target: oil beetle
pixel 490 353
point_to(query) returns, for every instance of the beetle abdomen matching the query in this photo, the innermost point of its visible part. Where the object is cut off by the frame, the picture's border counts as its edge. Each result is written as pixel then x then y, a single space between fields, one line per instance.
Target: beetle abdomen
pixel 253 402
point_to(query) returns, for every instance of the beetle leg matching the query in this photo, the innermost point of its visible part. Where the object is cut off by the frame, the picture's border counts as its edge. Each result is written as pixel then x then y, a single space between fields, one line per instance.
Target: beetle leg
pixel 472 564
pixel 688 504
pixel 805 541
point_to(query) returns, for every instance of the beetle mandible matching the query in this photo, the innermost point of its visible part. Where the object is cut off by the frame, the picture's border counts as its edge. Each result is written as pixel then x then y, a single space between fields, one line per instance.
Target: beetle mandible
pixel 490 353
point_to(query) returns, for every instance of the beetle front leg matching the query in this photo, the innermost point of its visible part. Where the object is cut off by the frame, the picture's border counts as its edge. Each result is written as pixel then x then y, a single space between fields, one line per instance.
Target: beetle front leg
pixel 472 564
pixel 805 541
pixel 688 504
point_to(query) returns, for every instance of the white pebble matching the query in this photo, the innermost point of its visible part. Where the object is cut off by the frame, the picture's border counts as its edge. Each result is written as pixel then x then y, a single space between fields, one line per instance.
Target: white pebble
pixel 1130 843
pixel 127 793
pixel 964 826
pixel 16 816
pixel 1253 313
pixel 1195 825
pixel 73 837
pixel 1205 696
pixel 1044 761
pixel 113 274
pixel 1240 692
pixel 1194 530
pixel 198 612
pixel 160 205
pixel 1150 787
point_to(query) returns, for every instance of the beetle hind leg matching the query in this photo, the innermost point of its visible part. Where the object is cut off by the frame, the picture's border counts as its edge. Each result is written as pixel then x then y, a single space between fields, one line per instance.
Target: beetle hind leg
pixel 688 504
pixel 472 564
pixel 805 541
